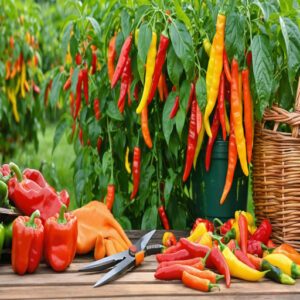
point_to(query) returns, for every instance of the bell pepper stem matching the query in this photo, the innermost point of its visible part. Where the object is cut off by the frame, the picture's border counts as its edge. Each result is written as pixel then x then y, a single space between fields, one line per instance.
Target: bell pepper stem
pixel 35 214
pixel 16 170
pixel 61 218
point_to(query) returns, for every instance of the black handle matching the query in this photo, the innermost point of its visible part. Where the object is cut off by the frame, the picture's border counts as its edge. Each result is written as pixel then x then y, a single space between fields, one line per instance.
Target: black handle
pixel 153 249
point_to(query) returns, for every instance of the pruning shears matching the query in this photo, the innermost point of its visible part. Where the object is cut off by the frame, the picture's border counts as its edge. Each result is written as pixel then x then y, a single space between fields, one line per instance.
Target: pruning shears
pixel 124 261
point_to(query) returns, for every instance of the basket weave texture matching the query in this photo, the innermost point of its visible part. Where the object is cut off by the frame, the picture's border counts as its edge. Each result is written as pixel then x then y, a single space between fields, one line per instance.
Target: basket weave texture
pixel 276 173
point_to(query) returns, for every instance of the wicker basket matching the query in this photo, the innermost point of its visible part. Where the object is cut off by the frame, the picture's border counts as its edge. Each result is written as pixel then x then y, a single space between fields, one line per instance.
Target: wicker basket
pixel 276 173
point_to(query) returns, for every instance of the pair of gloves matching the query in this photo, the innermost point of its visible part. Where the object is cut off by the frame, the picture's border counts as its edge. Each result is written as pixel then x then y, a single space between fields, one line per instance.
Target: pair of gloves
pixel 99 230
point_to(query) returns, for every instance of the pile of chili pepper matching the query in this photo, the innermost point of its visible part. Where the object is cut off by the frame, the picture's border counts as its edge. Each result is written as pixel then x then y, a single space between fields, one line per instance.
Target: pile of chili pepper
pixel 236 248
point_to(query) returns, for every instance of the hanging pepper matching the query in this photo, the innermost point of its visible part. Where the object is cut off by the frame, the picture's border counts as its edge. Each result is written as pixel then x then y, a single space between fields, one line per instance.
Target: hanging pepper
pixel 150 64
pixel 199 144
pixel 78 59
pixel 208 224
pixel 248 113
pixel 85 82
pixel 159 63
pixel 145 128
pixel 175 107
pixel 94 62
pixel 164 218
pixel 7 69
pixel 27 243
pixel 226 66
pixel 111 55
pixel 214 130
pixel 12 98
pixel 80 136
pixel 207 46
pixel 237 115
pixel 110 197
pixel 78 94
pixel 68 83
pixel 60 240
pixel 160 87
pixel 288 251
pixel 221 105
pixel 191 143
pixel 232 161
pixel 243 228
pixel 97 111
pixel 127 163
pixel 124 54
pixel 191 97
pixel 99 143
pixel 124 86
pixel 198 118
pixel 214 69
pixel 23 79
pixel 263 232
pixel 136 166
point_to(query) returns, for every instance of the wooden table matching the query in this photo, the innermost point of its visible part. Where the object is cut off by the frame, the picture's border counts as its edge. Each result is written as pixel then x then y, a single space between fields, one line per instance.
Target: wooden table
pixel 140 283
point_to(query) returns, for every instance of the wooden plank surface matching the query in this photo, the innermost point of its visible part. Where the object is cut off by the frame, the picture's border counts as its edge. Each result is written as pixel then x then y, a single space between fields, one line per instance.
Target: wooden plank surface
pixel 138 284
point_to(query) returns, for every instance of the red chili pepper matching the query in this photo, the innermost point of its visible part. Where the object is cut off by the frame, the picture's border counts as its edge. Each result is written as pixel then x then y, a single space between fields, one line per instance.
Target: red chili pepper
pixel 99 143
pixel 208 224
pixel 130 78
pixel 122 61
pixel 165 86
pixel 217 259
pixel 174 248
pixel 243 258
pixel 111 55
pixel 136 171
pixel 243 228
pixel 198 119
pixel 195 250
pixel 163 217
pixel 249 59
pixel 78 94
pixel 110 197
pixel 263 232
pixel 191 97
pixel 94 63
pixel 80 135
pixel 124 86
pixel 185 262
pixel 85 82
pixel 145 127
pixel 175 107
pixel 248 113
pixel 191 143
pixel 179 255
pixel 226 66
pixel 221 105
pixel 97 111
pixel 160 87
pixel 78 59
pixel 255 260
pixel 159 63
pixel 214 130
pixel 255 247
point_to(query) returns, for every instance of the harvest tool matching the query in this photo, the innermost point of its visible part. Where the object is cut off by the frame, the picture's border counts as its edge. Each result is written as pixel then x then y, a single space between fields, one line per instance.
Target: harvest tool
pixel 123 261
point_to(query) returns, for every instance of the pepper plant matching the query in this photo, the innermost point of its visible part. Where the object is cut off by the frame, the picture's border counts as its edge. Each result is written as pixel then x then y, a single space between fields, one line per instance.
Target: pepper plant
pixel 119 52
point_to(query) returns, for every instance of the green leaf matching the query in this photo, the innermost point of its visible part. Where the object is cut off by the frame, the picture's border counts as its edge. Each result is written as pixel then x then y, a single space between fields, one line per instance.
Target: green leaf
pixel 118 207
pixel 73 46
pixel 141 69
pixel 263 69
pixel 235 36
pixel 183 46
pixel 56 89
pixel 168 123
pixel 180 120
pixel 144 41
pixel 285 96
pixel 66 39
pixel 74 79
pixel 59 131
pixel 201 93
pixel 113 111
pixel 106 161
pixel 150 218
pixel 291 35
pixel 125 223
pixel 174 66
pixel 184 94
pixel 267 7
pixel 169 186
pixel 182 15
pixel 125 22
pixel 95 25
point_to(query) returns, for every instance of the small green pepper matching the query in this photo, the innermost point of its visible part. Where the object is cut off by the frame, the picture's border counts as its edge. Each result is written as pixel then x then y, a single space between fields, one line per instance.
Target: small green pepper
pixel 8 235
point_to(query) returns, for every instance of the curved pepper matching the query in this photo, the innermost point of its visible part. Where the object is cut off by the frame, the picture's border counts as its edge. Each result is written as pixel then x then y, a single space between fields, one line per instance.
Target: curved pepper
pixel 197 283
pixel 179 255
pixel 288 251
pixel 197 232
pixel 60 240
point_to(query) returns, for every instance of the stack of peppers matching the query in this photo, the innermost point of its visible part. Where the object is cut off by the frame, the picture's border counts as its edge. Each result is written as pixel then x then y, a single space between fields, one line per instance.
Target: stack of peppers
pixel 236 248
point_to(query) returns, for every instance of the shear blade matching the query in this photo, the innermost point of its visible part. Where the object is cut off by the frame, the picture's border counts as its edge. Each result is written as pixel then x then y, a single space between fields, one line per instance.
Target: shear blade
pixel 144 240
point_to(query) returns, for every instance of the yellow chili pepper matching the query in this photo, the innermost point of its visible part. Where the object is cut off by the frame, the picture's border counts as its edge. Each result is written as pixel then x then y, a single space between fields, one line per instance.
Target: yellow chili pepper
pixel 206 240
pixel 285 264
pixel 199 144
pixel 207 46
pixel 23 79
pixel 197 233
pixel 127 163
pixel 17 89
pixel 214 69
pixel 238 269
pixel 12 98
pixel 150 64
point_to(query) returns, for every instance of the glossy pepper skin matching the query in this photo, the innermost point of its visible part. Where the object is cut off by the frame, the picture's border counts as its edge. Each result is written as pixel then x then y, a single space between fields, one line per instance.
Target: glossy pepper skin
pixel 175 107
pixel 30 195
pixel 159 63
pixel 214 132
pixel 111 56
pixel 150 65
pixel 197 283
pixel 97 111
pixel 214 69
pixel 288 251
pixel 185 262
pixel 208 224
pixel 27 243
pixel 122 61
pixel 221 106
pixel 136 167
pixel 237 114
pixel 3 194
pixel 110 196
pixel 179 255
pixel 244 258
pixel 145 127
pixel 263 232
pixel 60 240
pixel 191 143
pixel 243 228
pixel 163 217
pixel 169 239
pixel 226 66
pixel 125 77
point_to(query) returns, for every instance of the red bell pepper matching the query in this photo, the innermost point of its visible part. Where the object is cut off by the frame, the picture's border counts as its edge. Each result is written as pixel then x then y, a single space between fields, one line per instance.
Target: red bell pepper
pixel 263 232
pixel 60 240
pixel 27 243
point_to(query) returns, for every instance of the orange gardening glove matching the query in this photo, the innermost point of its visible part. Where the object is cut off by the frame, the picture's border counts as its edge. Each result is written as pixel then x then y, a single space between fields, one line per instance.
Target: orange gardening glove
pixel 99 230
